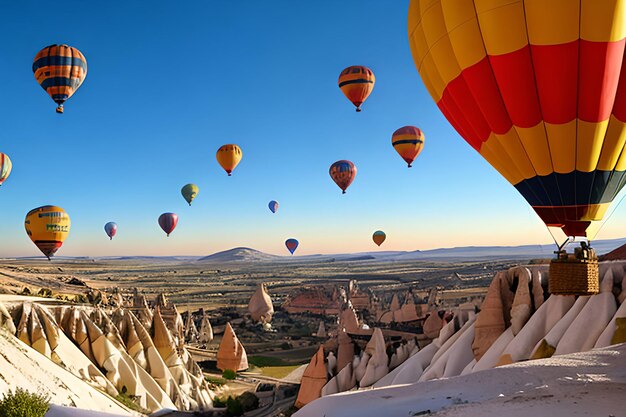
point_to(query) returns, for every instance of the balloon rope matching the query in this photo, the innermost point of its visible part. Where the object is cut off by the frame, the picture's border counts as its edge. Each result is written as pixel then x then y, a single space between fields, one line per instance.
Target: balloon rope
pixel 609 216
pixel 552 234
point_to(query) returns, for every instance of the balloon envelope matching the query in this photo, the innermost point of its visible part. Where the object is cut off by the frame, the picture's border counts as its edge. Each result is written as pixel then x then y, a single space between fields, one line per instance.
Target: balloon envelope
pixel 273 205
pixel 343 173
pixel 168 222
pixel 379 237
pixel 5 167
pixel 292 245
pixel 47 227
pixel 189 192
pixel 60 70
pixel 356 83
pixel 408 141
pixel 538 88
pixel 228 156
pixel 110 229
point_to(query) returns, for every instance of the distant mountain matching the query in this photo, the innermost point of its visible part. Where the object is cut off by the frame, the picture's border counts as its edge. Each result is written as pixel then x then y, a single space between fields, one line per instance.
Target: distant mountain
pixel 481 253
pixel 149 258
pixel 238 255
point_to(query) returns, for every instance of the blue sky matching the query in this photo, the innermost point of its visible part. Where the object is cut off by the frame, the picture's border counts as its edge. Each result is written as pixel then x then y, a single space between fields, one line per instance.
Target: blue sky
pixel 170 83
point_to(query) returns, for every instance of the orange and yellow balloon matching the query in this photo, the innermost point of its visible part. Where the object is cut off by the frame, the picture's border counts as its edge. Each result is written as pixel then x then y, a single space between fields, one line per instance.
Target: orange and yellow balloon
pixel 357 83
pixel 408 141
pixel 5 167
pixel 228 156
pixel 538 88
pixel 60 70
pixel 47 227
pixel 379 237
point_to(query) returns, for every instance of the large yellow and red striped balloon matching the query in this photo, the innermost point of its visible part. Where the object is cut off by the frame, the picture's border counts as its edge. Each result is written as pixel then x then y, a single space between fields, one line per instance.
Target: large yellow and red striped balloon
pixel 408 141
pixel 356 83
pixel 538 88
pixel 60 70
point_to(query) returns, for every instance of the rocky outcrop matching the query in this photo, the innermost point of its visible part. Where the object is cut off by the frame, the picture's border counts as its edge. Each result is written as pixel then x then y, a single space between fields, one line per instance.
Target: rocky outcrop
pixel 231 353
pixel 260 306
pixel 313 380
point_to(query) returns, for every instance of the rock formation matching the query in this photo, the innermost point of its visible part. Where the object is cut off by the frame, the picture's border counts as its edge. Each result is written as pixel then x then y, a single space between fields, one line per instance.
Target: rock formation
pixel 313 380
pixel 377 364
pixel 348 319
pixel 260 305
pixel 206 331
pixel 231 354
pixel 321 330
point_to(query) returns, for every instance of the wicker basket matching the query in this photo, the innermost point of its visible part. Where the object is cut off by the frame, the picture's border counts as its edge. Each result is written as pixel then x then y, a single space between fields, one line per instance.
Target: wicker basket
pixel 574 277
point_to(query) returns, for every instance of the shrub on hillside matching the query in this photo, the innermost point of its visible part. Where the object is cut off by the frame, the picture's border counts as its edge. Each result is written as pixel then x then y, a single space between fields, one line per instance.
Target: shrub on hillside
pixel 248 401
pixel 229 374
pixel 22 403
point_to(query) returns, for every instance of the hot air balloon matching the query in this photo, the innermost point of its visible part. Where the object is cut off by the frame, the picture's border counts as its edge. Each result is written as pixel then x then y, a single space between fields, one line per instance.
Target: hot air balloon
pixel 356 83
pixel 343 173
pixel 47 227
pixel 273 205
pixel 292 245
pixel 110 229
pixel 538 88
pixel 60 70
pixel 168 222
pixel 189 192
pixel 228 156
pixel 379 237
pixel 408 141
pixel 5 167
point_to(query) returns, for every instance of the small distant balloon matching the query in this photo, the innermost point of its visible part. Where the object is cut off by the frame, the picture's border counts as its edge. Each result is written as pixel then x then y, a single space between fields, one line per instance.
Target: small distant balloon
pixel 168 222
pixel 273 205
pixel 47 227
pixel 189 192
pixel 60 70
pixel 379 237
pixel 356 83
pixel 5 167
pixel 110 229
pixel 408 141
pixel 292 245
pixel 343 173
pixel 228 156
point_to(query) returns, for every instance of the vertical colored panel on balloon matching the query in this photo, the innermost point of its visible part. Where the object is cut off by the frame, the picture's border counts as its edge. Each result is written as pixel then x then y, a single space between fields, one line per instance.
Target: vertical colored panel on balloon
pixel 589 145
pixel 491 14
pixel 556 72
pixel 562 142
pixel 613 144
pixel 536 146
pixel 552 22
pixel 600 65
pixel 603 21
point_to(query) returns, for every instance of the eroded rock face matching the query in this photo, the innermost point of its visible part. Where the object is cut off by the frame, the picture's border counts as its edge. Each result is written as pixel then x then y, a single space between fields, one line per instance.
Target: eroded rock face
pixel 313 380
pixel 206 331
pixel 377 365
pixel 348 319
pixel 260 305
pixel 495 315
pixel 231 353
pixel 321 330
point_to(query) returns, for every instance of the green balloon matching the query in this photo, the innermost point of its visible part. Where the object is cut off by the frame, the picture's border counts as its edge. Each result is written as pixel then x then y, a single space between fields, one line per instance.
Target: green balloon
pixel 189 192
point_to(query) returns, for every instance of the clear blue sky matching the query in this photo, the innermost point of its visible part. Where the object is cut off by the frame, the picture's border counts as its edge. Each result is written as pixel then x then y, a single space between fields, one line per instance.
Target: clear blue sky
pixel 169 83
